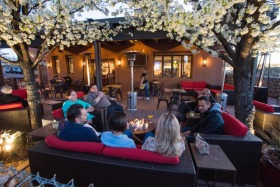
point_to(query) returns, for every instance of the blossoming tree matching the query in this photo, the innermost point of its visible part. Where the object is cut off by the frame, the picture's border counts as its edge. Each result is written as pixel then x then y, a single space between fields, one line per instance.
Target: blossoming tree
pixel 51 24
pixel 234 30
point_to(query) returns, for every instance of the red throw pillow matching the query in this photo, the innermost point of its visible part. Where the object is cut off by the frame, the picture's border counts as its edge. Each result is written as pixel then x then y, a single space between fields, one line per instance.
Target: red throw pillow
pixel 264 107
pixel 233 126
pixel 139 154
pixel 229 87
pixel 11 106
pixel 214 92
pixel 80 95
pixel 20 92
pixel 85 147
pixel 58 114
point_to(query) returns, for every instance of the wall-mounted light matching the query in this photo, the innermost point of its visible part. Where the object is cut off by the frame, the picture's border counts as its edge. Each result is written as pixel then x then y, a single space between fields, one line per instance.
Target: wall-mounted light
pixel 84 63
pixel 48 64
pixel 204 62
pixel 119 63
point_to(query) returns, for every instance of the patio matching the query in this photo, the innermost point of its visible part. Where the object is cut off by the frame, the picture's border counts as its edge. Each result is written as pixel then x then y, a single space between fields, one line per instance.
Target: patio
pixel 145 108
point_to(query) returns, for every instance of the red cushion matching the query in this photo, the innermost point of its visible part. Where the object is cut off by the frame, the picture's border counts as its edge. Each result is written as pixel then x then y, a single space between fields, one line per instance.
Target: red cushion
pixel 199 85
pixel 233 126
pixel 229 87
pixel 214 92
pixel 20 92
pixel 58 114
pixel 85 147
pixel 264 107
pixel 186 85
pixel 139 154
pixel 11 106
pixel 80 95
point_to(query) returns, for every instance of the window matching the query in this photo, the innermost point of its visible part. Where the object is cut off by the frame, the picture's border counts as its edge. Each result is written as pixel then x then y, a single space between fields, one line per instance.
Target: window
pixel 56 65
pixel 70 64
pixel 168 65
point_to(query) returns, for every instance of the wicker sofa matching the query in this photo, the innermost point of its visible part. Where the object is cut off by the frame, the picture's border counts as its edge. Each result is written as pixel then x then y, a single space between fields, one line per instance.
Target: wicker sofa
pixel 101 167
pixel 241 147
pixel 265 116
pixel 14 117
pixel 228 89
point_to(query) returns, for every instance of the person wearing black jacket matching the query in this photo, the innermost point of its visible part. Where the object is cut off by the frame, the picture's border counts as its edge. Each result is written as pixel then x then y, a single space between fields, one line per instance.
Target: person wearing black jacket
pixel 211 121
pixel 6 96
pixel 184 107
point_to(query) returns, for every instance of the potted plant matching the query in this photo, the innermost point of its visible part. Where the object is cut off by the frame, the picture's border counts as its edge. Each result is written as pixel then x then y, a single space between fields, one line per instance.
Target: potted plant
pixel 270 161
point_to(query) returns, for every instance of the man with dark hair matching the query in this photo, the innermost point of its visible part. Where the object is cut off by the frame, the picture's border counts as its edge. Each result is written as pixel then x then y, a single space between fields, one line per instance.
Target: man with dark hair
pixel 184 107
pixel 74 129
pixel 6 96
pixel 98 99
pixel 211 121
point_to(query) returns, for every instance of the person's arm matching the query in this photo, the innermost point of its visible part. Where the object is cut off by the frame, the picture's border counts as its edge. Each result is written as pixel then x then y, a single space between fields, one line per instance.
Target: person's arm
pixel 142 80
pixel 92 136
pixel 89 99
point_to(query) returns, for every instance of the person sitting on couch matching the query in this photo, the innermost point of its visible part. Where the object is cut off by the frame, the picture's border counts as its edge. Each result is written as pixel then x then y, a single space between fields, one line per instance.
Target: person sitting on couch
pixel 184 107
pixel 167 139
pixel 120 135
pixel 72 99
pixel 6 96
pixel 211 120
pixel 98 99
pixel 74 129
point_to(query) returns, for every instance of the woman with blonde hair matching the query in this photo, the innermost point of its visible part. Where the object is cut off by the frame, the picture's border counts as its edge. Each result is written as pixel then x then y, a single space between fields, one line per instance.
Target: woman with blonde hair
pixel 168 140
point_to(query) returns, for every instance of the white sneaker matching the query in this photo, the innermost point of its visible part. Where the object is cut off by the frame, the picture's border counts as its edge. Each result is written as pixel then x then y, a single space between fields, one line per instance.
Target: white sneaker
pixel 147 98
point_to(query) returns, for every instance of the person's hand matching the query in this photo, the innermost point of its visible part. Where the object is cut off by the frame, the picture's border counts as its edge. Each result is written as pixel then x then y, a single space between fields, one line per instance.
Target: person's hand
pixel 90 109
pixel 187 133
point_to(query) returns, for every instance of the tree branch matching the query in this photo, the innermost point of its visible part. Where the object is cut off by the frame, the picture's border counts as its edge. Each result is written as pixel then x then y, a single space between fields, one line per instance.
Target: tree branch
pixel 225 44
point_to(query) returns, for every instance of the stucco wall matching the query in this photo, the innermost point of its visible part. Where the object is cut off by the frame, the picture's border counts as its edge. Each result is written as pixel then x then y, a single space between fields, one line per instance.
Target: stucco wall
pixel 212 73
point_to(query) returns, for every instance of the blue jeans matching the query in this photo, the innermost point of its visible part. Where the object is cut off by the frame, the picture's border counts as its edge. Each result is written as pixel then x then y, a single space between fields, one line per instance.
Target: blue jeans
pixel 146 90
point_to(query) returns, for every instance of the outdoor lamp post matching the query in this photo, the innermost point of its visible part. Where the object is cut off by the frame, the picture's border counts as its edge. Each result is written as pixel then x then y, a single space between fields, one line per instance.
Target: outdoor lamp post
pixel 132 96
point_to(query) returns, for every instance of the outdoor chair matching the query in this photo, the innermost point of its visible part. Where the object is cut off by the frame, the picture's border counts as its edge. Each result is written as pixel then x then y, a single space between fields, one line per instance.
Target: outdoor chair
pixel 162 98
pixel 174 100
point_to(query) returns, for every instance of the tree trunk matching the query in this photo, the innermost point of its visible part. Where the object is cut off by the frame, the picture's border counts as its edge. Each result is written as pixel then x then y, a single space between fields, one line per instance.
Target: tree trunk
pixel 244 108
pixel 33 96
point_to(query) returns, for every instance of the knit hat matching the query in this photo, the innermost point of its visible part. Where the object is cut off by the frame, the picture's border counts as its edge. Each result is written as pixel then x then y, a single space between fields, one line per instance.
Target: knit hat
pixel 6 89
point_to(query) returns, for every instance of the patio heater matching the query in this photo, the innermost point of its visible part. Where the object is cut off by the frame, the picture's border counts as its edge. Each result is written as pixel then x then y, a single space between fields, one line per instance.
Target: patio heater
pixel 222 97
pixel 131 95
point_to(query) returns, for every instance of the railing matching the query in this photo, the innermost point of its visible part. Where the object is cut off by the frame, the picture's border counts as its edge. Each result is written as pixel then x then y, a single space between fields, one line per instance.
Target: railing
pixel 23 178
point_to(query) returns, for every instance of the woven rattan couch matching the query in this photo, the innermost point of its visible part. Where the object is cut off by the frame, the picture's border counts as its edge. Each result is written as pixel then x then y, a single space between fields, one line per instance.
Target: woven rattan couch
pixel 265 116
pixel 241 147
pixel 101 170
pixel 15 117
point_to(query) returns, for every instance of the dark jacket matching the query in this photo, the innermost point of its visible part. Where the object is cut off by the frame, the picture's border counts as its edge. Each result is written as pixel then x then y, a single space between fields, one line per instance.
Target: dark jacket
pixel 76 132
pixel 211 122
pixel 9 98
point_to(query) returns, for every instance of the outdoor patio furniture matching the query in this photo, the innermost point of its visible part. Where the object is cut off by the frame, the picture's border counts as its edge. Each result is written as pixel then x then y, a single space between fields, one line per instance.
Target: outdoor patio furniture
pixel 241 147
pixel 228 89
pixel 103 169
pixel 14 117
pixel 265 116
pixel 161 97
pixel 174 100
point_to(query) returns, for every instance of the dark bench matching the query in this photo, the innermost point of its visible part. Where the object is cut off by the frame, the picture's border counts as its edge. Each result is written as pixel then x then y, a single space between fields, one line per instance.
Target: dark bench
pixel 87 168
